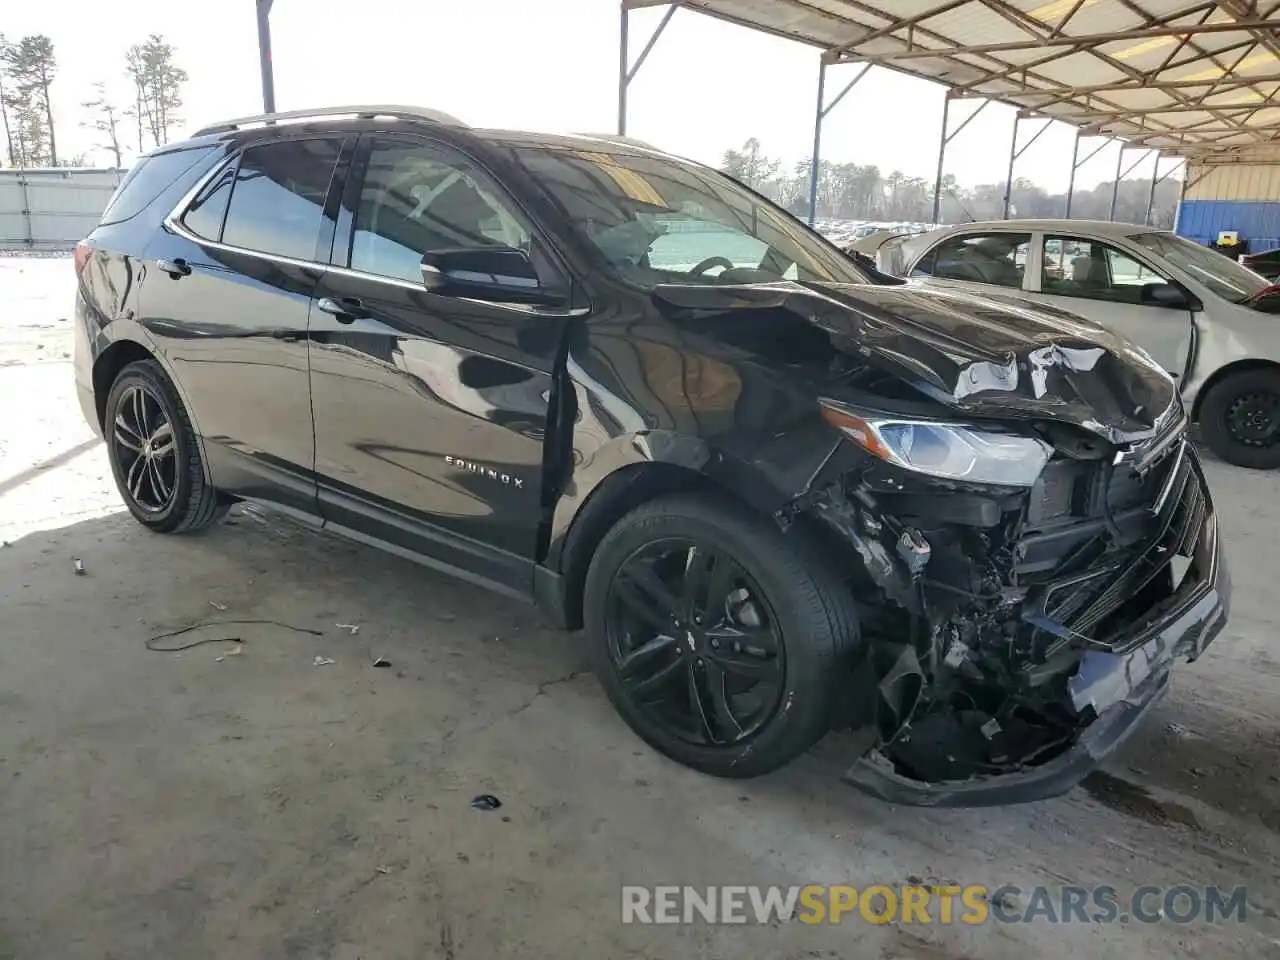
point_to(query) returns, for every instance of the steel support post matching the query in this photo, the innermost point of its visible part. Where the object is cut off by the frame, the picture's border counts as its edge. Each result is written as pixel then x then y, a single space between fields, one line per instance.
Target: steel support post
pixel 1014 154
pixel 819 114
pixel 1151 194
pixel 627 71
pixel 1076 164
pixel 1115 184
pixel 945 139
pixel 942 153
pixel 1157 178
pixel 1115 187
pixel 817 142
pixel 264 56
pixel 622 70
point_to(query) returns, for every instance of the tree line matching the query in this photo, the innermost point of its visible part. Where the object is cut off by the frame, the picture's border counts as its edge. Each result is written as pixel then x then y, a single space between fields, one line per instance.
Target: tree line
pixel 29 67
pixel 852 191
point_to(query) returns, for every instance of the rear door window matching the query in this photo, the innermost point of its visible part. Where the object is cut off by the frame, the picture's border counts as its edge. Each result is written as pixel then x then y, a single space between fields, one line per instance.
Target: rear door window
pixel 999 259
pixel 147 180
pixel 277 201
pixel 208 210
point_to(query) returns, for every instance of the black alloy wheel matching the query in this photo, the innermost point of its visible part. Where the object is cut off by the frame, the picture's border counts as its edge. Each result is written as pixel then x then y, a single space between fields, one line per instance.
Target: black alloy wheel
pixel 694 642
pixel 154 454
pixel 146 449
pixel 719 639
pixel 1240 418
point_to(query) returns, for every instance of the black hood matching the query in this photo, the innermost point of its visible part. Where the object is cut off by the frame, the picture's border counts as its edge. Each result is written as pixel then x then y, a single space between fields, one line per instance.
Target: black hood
pixel 982 355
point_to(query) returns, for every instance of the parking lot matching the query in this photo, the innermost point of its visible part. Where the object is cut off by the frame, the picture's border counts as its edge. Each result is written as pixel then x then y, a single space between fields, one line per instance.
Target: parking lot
pixel 279 795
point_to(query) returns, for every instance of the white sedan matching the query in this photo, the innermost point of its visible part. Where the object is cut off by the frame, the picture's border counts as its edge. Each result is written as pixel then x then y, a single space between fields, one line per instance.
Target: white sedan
pixel 1205 318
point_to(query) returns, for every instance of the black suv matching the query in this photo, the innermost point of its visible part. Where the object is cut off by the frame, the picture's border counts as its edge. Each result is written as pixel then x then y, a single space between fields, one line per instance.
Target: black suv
pixel 781 493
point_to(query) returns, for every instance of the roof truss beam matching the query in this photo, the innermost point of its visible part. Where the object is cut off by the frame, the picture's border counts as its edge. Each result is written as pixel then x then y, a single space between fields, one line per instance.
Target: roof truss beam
pixel 917 52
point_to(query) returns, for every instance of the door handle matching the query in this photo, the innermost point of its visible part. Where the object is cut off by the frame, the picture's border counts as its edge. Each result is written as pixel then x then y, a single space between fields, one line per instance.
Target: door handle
pixel 345 309
pixel 176 268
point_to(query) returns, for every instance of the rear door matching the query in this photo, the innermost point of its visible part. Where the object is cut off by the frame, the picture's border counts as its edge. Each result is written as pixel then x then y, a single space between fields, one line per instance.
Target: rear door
pixel 430 410
pixel 985 261
pixel 1112 287
pixel 227 294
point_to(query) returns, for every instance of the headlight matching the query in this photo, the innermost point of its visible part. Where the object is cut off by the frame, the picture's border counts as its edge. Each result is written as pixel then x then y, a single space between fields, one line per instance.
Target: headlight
pixel 943 449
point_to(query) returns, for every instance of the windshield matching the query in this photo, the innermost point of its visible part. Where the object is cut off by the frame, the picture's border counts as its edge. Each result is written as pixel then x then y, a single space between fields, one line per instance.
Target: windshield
pixel 1223 276
pixel 656 220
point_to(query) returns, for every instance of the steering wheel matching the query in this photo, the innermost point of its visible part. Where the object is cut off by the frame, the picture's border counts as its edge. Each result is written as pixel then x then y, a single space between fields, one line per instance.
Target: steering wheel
pixel 710 262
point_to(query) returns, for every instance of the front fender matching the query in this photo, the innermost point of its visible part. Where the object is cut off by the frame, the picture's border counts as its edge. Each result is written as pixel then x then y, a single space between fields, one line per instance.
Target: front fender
pixel 611 470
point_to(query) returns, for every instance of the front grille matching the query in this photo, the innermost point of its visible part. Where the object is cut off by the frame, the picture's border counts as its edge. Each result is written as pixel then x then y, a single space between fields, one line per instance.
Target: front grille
pixel 1080 605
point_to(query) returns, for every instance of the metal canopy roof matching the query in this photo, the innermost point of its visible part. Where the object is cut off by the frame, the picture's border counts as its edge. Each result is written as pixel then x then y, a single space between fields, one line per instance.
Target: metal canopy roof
pixel 1186 77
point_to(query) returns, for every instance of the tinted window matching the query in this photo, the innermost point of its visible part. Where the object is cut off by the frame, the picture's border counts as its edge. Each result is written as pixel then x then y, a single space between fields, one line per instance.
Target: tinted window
pixel 1073 267
pixel 278 199
pixel 204 216
pixel 147 180
pixel 654 219
pixel 416 199
pixel 996 258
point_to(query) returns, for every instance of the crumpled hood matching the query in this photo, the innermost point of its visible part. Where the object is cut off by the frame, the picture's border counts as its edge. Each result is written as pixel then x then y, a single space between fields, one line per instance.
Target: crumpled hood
pixel 986 355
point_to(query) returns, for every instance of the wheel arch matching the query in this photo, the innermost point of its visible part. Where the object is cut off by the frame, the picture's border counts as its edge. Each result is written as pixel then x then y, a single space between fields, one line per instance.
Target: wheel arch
pixel 1226 372
pixel 107 367
pixel 687 465
pixel 118 355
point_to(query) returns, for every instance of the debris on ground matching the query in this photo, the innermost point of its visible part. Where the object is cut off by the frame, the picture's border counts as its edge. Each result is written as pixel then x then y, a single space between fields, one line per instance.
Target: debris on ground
pixel 381 662
pixel 234 652
pixel 486 801
pixel 152 643
pixel 354 628
pixel 78 565
pixel 220 607
pixel 320 661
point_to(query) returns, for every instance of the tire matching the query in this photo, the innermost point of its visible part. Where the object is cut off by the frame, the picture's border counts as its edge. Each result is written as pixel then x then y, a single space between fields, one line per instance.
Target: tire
pixel 787 589
pixel 191 504
pixel 1230 401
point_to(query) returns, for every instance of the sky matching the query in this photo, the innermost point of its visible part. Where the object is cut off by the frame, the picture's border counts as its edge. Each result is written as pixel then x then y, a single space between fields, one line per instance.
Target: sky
pixel 547 65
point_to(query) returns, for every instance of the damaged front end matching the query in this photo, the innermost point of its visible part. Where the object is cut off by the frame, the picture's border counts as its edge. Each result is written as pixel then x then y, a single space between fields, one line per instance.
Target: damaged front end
pixel 1014 636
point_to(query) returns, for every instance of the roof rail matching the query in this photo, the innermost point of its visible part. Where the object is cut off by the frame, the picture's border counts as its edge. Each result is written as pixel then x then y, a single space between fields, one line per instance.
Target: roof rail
pixel 618 138
pixel 359 112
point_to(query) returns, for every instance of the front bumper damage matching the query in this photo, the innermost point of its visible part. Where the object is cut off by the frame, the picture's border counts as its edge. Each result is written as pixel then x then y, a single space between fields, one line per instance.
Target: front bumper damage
pixel 1021 674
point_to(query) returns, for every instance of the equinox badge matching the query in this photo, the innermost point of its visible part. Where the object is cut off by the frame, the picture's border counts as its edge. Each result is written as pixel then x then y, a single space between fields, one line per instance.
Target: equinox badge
pixel 473 467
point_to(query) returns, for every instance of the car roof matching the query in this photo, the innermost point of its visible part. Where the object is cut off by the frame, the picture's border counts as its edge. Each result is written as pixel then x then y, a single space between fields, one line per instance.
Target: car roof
pixel 1101 228
pixel 391 119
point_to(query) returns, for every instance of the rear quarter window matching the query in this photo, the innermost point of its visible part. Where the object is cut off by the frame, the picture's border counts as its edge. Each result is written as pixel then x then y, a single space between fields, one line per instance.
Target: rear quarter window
pixel 148 179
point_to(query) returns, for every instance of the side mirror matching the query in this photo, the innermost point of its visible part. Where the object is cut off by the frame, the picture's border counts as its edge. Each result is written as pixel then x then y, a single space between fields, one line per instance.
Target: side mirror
pixel 1165 295
pixel 486 273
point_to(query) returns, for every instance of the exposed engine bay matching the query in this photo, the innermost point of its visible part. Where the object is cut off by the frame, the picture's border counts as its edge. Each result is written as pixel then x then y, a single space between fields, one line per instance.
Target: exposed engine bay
pixel 981 607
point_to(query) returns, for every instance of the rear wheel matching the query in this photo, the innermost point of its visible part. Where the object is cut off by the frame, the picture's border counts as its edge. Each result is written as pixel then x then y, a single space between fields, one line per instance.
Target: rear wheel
pixel 715 636
pixel 1240 419
pixel 154 455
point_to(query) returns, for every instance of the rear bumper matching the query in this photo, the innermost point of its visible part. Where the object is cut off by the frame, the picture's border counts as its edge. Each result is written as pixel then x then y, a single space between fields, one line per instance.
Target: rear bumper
pixel 1117 688
pixel 82 360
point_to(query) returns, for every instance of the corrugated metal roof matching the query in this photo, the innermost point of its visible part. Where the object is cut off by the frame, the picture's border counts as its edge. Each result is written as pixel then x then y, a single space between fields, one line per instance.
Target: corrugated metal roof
pixel 1192 77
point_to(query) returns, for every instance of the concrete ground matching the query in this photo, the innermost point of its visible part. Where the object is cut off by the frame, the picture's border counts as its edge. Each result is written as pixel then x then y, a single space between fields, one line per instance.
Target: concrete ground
pixel 238 800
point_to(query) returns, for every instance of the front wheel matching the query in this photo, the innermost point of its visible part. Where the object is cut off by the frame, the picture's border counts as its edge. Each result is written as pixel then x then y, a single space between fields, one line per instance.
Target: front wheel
pixel 154 455
pixel 1240 419
pixel 716 637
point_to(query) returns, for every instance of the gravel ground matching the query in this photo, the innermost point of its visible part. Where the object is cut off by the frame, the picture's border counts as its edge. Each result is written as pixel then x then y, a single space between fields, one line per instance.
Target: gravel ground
pixel 238 800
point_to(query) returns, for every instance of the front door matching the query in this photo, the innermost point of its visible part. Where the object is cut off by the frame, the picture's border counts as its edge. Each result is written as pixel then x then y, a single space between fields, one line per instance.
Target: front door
pixel 226 296
pixel 430 410
pixel 1113 288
